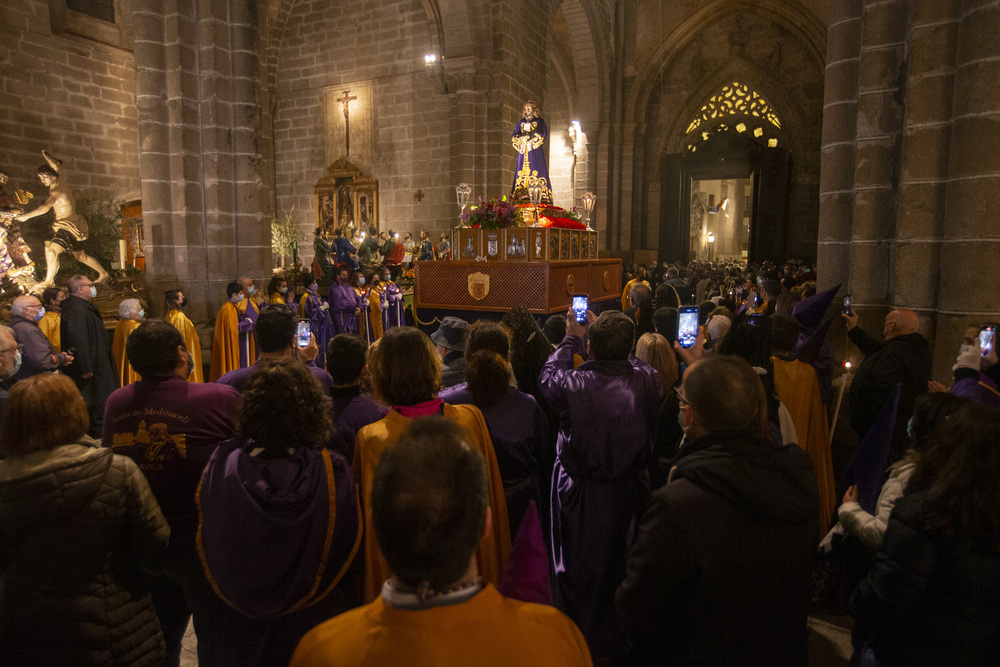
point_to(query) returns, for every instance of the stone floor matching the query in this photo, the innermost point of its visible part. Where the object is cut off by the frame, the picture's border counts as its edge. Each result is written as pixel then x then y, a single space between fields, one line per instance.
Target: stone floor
pixel 829 643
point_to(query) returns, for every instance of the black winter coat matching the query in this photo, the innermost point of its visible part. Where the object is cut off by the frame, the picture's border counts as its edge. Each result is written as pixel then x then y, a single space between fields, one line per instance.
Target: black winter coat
pixel 76 524
pixel 905 359
pixel 82 328
pixel 720 572
pixel 928 600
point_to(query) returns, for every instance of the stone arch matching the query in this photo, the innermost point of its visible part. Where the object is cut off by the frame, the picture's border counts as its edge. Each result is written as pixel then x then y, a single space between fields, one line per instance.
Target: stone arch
pixel 790 15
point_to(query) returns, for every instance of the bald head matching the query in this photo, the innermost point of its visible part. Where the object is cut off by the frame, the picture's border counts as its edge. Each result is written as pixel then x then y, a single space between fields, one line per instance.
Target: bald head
pixel 22 304
pixel 900 322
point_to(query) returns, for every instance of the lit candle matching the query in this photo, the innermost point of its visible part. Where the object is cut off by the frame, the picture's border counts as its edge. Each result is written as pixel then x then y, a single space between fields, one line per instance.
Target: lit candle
pixel 122 252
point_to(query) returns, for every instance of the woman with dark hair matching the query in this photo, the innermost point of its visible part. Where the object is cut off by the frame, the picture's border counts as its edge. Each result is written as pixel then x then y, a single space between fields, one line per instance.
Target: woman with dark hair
pixel 517 424
pixel 529 349
pixel 279 522
pixel 77 523
pixel 405 371
pixel 933 597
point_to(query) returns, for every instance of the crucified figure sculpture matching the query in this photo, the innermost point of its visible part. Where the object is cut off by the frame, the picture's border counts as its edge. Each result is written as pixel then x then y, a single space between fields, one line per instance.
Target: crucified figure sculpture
pixel 70 228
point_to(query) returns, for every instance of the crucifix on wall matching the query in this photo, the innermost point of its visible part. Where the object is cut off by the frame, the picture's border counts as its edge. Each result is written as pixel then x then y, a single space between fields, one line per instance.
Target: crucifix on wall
pixel 346 102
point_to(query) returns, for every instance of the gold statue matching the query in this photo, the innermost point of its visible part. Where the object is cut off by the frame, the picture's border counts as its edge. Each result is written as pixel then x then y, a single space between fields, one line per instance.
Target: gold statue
pixel 70 228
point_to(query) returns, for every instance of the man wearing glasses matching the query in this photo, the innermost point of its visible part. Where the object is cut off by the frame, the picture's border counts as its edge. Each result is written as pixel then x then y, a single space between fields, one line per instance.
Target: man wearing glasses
pixel 37 353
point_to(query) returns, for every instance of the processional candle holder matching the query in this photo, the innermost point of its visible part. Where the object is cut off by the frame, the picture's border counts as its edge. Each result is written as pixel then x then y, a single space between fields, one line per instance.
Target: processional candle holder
pixel 589 199
pixel 462 192
pixel 535 195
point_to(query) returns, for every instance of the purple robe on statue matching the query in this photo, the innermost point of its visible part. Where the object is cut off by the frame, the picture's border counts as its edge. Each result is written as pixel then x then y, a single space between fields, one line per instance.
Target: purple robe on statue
pixel 321 324
pixel 607 413
pixel 344 300
pixel 519 431
pixel 267 543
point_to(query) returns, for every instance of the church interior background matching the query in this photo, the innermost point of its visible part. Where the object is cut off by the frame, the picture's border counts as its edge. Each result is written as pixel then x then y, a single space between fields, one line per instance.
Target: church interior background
pixel 859 134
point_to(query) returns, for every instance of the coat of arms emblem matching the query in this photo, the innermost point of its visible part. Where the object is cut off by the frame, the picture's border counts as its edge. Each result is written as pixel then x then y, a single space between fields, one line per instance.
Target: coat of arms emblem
pixel 479 286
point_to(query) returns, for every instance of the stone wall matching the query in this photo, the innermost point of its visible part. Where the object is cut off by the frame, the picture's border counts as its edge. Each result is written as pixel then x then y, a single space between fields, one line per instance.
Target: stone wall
pixel 908 160
pixel 68 94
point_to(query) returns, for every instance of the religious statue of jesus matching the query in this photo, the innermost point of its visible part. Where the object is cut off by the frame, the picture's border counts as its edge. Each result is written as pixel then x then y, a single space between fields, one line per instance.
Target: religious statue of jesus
pixel 70 227
pixel 528 139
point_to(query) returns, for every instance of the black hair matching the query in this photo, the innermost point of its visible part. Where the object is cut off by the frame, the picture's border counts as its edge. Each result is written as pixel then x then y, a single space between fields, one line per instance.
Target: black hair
pixel 275 329
pixel 555 328
pixel 233 288
pixel 429 504
pixel 346 356
pixel 47 170
pixel 283 407
pixel 152 348
pixel 784 333
pixel 611 336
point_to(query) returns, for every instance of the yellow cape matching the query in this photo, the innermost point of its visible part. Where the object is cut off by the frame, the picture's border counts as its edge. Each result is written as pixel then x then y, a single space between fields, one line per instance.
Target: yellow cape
pixel 226 341
pixel 375 311
pixel 798 389
pixel 126 374
pixel 49 324
pixel 181 322
pixel 375 438
pixel 628 288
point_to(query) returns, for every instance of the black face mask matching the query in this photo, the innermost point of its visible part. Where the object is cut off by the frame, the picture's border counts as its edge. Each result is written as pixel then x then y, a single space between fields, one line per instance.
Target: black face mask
pixel 182 303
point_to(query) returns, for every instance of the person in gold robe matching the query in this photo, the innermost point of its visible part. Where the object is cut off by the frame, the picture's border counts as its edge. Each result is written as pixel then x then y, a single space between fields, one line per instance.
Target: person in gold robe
pixel 131 313
pixel 52 297
pixel 375 297
pixel 798 388
pixel 406 374
pixel 233 345
pixel 173 302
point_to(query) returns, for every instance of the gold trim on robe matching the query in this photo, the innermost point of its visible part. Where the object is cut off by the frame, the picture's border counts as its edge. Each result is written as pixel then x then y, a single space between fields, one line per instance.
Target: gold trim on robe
pixel 49 324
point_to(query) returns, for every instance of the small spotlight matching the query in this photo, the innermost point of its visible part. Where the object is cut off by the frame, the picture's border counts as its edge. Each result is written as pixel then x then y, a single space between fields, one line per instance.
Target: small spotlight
pixel 395 236
pixel 847 365
pixel 430 59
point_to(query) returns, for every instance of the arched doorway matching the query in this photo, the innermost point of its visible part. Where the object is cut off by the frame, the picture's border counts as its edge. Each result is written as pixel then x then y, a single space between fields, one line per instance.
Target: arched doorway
pixel 727 194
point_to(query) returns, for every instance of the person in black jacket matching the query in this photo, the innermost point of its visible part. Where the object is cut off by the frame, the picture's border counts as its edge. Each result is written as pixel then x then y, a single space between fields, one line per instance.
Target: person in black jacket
pixel 933 597
pixel 84 335
pixel 720 571
pixel 904 357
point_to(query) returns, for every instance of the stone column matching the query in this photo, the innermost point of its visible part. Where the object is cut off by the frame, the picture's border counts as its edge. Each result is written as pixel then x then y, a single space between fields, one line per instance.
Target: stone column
pixel 881 69
pixel 199 128
pixel 969 270
pixel 840 114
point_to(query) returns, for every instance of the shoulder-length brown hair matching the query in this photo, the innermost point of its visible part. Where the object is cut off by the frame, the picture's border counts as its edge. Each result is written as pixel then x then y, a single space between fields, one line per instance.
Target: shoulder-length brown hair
pixel 405 367
pixel 43 412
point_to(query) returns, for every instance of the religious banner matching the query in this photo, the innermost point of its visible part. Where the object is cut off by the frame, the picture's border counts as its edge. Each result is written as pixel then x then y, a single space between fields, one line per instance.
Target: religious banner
pixel 350 123
pixel 479 286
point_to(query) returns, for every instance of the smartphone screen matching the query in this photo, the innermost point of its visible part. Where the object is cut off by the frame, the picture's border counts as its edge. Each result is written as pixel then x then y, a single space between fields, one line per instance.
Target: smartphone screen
pixel 302 333
pixel 847 305
pixel 986 336
pixel 687 325
pixel 580 305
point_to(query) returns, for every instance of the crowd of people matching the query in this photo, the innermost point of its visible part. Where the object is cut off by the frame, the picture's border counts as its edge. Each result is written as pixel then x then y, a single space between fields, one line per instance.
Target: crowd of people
pixel 568 491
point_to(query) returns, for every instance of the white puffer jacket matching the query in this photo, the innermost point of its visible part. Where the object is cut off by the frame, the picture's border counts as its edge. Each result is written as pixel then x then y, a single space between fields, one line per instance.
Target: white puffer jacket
pixel 870 529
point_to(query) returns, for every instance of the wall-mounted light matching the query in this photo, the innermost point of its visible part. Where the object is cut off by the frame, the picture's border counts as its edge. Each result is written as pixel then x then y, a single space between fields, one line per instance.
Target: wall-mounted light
pixel 711 237
pixel 574 133
pixel 430 59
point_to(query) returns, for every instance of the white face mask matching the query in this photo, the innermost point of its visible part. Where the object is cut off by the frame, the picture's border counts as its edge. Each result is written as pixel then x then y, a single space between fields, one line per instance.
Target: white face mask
pixel 93 291
pixel 283 290
pixel 16 367
pixel 40 314
pixel 240 298
pixel 361 281
pixel 251 290
pixel 142 314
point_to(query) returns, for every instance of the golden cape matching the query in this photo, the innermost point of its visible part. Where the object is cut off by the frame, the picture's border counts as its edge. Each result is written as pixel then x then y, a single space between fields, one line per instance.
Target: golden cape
pixel 182 323
pixel 226 340
pixel 126 374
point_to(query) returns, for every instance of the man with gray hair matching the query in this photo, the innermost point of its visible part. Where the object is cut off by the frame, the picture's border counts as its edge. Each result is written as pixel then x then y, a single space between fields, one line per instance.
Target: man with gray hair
pixel 37 353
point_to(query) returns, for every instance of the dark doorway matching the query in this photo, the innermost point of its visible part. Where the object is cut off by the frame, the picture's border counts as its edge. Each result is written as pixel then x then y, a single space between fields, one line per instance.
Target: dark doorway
pixel 752 169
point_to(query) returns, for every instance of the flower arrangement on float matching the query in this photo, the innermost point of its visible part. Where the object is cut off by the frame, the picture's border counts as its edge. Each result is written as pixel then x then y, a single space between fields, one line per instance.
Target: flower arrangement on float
pixel 407 278
pixel 494 214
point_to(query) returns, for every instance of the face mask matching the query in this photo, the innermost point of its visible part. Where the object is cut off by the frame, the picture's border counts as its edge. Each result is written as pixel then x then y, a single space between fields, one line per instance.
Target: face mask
pixel 680 417
pixel 240 298
pixel 190 364
pixel 93 291
pixel 283 290
pixel 361 281
pixel 40 314
pixel 251 290
pixel 909 430
pixel 17 365
pixel 313 288
pixel 385 278
pixel 142 313
pixel 183 302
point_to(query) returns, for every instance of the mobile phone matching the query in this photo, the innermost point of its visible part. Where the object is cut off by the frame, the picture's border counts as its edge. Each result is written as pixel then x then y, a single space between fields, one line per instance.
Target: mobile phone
pixel 302 333
pixel 687 325
pixel 987 334
pixel 580 305
pixel 847 305
pixel 755 319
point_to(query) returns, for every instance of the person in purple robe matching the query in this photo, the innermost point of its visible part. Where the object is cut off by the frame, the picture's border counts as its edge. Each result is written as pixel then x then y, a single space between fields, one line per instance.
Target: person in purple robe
pixel 517 424
pixel 318 313
pixel 344 304
pixel 279 525
pixel 607 410
pixel 347 254
pixel 347 360
pixel 392 302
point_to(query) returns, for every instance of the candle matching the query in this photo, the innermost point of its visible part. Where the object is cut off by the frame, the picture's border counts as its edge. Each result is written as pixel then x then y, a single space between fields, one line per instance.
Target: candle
pixel 122 253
